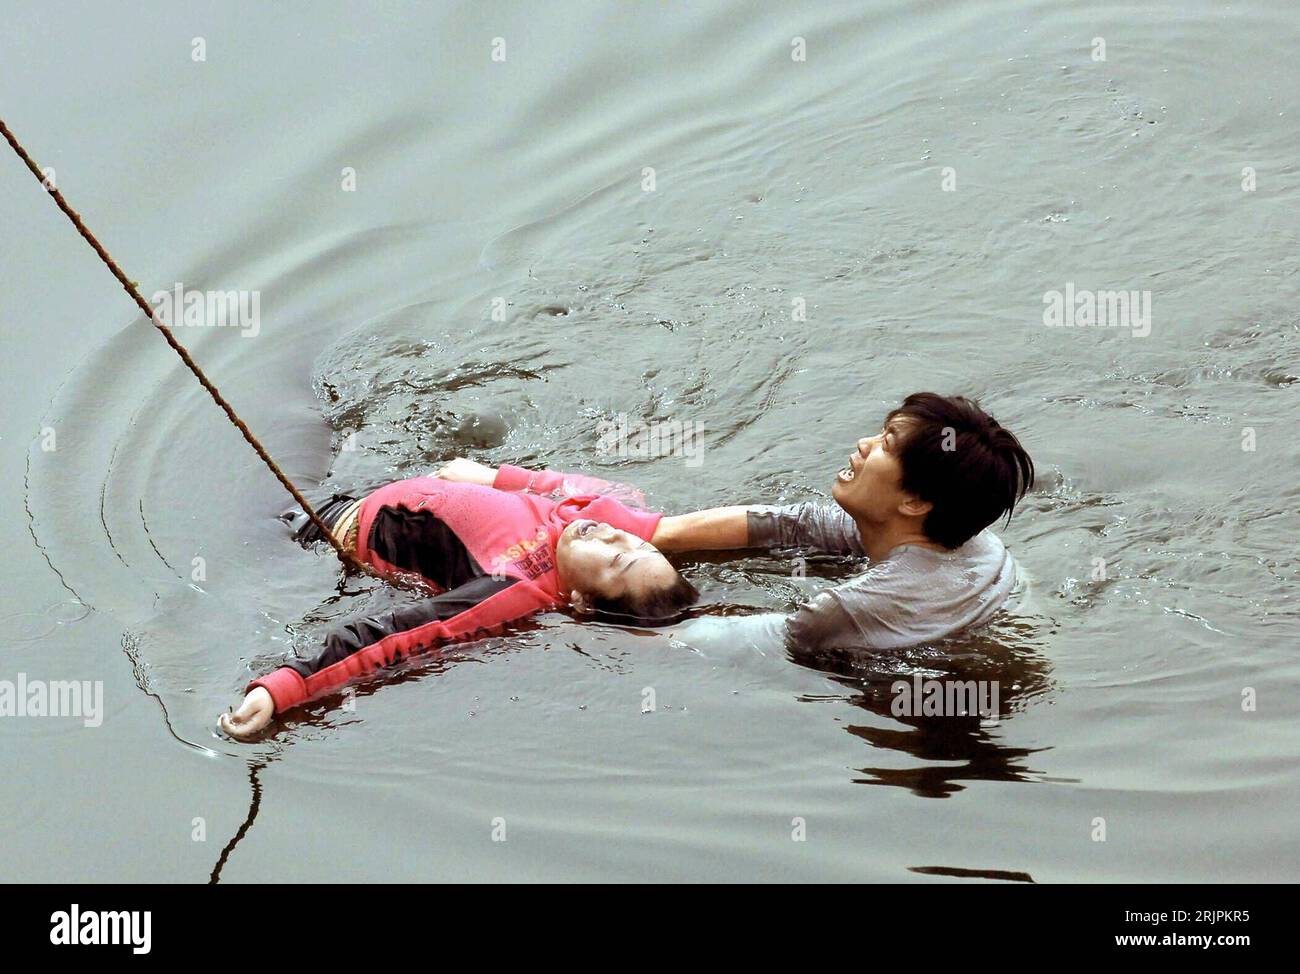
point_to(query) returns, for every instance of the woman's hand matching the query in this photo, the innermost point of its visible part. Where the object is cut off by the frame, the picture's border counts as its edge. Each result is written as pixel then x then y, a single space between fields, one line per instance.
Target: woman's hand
pixel 252 716
pixel 467 471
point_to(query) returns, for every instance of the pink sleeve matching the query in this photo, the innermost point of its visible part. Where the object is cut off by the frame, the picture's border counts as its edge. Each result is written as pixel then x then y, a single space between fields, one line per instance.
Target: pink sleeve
pixel 286 687
pixel 363 645
pixel 553 482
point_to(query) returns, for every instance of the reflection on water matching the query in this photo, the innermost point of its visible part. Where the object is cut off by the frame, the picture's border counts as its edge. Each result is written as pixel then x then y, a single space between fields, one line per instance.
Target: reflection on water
pixel 947 748
pixel 255 768
pixel 958 873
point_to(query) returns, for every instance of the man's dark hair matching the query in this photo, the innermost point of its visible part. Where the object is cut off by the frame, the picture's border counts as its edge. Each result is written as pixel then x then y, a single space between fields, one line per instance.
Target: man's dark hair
pixel 657 607
pixel 961 460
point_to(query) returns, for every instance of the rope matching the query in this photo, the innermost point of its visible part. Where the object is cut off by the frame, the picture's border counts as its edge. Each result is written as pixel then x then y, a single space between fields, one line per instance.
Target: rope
pixel 344 555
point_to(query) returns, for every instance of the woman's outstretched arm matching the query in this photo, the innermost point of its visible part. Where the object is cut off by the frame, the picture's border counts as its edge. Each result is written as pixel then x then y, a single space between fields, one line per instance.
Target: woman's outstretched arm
pixel 552 483
pixel 365 644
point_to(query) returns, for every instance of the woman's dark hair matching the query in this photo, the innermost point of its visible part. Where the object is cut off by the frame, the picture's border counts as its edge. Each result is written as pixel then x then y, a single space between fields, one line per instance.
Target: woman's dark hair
pixel 657 607
pixel 961 460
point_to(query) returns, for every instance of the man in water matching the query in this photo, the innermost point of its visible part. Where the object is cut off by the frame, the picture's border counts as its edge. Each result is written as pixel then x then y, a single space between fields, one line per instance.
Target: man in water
pixel 916 500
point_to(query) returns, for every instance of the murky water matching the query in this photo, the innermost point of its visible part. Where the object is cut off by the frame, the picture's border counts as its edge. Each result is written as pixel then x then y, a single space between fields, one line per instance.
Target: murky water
pixel 920 181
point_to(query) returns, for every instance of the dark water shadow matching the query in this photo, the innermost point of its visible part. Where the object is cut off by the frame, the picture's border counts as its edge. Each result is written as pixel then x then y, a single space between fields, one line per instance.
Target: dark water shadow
pixel 948 748
pixel 254 805
pixel 955 872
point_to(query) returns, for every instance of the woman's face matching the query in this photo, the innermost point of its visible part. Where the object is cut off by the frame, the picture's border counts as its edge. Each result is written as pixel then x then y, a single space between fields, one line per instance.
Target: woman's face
pixel 598 559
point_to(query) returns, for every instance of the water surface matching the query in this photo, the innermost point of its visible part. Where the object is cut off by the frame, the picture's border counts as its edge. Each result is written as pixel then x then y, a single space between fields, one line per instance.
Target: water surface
pixel 519 184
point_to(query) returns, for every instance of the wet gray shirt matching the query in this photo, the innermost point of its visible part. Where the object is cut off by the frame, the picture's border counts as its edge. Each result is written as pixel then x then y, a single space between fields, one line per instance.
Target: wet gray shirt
pixel 915 595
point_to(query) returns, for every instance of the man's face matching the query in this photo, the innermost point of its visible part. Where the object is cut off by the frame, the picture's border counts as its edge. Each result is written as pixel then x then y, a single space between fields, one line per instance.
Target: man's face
pixel 870 487
pixel 599 559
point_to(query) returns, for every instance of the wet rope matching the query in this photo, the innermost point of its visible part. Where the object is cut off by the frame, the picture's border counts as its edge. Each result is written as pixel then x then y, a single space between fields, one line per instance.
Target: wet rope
pixel 344 556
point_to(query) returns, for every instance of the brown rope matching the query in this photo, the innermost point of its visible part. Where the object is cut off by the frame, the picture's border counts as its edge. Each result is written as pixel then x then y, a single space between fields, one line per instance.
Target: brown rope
pixel 344 555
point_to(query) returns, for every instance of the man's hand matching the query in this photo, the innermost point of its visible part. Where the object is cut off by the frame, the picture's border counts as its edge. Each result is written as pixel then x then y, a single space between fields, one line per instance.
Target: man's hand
pixel 467 471
pixel 252 716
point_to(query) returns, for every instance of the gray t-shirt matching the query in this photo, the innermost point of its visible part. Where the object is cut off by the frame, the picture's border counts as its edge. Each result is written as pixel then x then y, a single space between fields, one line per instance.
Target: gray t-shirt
pixel 915 595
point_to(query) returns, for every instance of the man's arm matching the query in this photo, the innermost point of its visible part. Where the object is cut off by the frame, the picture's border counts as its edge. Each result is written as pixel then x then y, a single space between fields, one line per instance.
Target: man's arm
pixel 717 527
pixel 811 527
pixel 820 528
